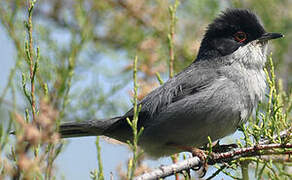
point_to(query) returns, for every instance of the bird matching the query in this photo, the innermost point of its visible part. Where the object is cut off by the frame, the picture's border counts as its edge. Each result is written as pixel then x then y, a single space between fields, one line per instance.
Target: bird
pixel 211 97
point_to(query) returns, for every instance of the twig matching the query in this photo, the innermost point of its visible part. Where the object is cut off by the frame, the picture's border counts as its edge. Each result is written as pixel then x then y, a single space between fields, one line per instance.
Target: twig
pixel 244 170
pixel 172 12
pixel 32 64
pixel 247 152
pixel 100 168
pixel 134 125
pixel 282 134
pixel 216 158
pixel 174 159
pixel 165 171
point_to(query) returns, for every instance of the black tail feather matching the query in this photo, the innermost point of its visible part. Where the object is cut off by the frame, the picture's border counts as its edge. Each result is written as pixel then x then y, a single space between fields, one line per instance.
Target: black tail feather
pixel 85 128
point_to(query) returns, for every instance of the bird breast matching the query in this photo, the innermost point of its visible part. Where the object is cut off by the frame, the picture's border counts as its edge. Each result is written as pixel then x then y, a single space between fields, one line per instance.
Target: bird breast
pixel 248 63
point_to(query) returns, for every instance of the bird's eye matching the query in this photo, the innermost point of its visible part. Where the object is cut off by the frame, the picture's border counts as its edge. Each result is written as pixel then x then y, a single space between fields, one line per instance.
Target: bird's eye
pixel 240 36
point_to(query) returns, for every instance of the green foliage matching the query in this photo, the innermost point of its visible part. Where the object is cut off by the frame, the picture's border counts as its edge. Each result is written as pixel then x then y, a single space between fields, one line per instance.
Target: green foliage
pixel 69 55
pixel 98 174
pixel 134 125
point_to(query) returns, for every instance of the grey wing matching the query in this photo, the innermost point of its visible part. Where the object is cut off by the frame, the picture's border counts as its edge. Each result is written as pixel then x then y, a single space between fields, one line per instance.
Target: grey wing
pixel 214 111
pixel 190 81
pixel 197 103
pixel 185 84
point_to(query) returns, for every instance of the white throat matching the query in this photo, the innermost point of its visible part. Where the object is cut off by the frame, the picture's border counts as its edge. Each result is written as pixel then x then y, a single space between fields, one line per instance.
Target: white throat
pixel 250 60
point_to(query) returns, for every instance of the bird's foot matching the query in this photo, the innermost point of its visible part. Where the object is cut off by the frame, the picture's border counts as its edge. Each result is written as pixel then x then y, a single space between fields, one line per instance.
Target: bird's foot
pixel 203 166
pixel 217 148
pixel 225 148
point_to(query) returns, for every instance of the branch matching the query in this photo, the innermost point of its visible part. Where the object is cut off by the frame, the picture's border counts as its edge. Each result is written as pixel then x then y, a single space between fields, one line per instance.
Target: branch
pixel 165 171
pixel 257 150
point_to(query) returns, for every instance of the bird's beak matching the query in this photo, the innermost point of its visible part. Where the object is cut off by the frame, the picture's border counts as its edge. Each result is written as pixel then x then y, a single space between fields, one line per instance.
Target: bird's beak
pixel 269 36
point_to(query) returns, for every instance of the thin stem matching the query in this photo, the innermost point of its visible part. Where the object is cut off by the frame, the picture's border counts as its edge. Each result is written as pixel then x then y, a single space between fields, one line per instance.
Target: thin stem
pixel 32 66
pixel 134 125
pixel 100 168
pixel 244 170
pixel 172 11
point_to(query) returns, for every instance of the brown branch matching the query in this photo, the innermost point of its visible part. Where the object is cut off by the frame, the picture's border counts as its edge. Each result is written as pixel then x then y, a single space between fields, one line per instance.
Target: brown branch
pixel 257 150
pixel 165 171
pixel 247 152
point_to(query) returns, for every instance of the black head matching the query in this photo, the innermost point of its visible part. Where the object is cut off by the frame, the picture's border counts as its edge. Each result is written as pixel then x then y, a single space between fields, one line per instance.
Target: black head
pixel 232 29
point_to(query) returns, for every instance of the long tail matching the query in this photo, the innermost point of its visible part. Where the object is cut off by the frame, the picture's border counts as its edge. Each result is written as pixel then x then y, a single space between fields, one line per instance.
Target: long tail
pixel 86 128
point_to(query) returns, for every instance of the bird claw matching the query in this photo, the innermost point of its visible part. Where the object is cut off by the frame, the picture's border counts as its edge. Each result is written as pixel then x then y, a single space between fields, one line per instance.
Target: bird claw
pixel 217 148
pixel 203 166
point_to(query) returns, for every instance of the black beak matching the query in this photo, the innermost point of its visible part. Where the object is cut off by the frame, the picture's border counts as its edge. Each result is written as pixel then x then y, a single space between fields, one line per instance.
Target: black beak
pixel 269 36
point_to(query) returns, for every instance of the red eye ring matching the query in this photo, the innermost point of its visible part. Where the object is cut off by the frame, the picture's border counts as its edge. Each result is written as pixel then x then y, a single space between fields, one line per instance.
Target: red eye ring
pixel 240 36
